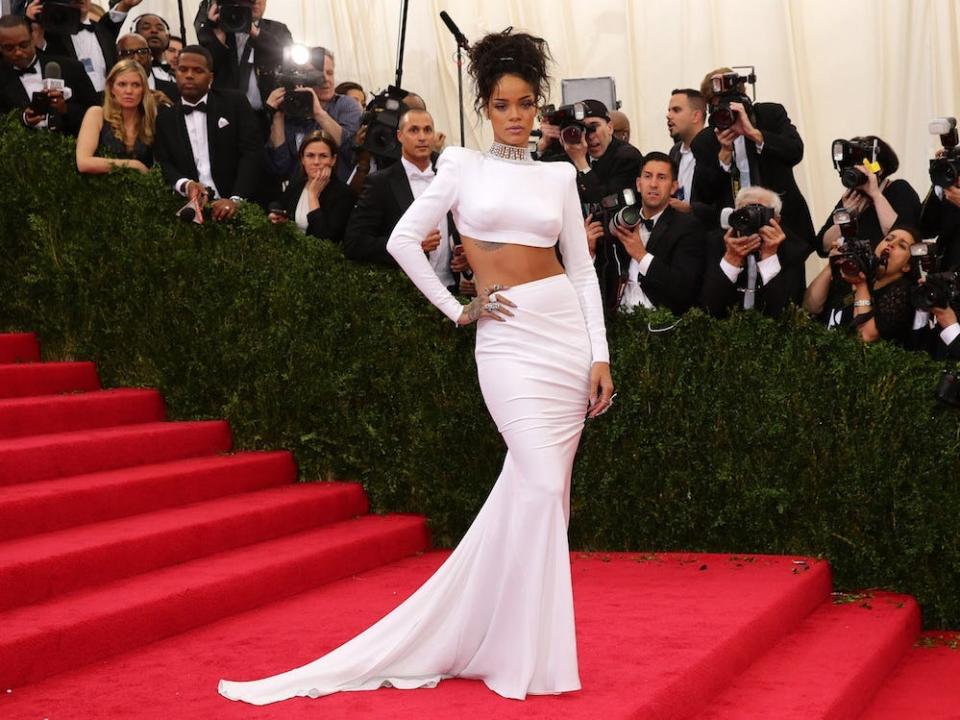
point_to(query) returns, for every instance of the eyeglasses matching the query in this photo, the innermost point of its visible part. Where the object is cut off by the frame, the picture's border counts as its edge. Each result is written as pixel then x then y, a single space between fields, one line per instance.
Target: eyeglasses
pixel 131 53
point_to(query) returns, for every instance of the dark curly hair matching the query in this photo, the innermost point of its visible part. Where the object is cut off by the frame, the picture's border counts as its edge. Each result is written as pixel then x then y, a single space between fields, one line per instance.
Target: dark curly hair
pixel 509 53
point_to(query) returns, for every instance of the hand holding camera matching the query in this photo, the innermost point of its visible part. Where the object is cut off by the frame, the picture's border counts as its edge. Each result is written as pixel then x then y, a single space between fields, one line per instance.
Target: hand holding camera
pixel 594 230
pixel 738 248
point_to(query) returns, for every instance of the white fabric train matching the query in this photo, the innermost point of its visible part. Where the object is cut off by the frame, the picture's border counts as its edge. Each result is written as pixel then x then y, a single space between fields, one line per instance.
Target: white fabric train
pixel 500 609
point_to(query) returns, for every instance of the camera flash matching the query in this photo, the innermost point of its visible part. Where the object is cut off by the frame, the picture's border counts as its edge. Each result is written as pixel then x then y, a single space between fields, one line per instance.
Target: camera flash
pixel 837 150
pixel 299 54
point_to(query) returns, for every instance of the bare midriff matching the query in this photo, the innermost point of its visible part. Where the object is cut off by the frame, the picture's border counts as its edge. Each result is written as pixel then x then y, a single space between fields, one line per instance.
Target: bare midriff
pixel 509 264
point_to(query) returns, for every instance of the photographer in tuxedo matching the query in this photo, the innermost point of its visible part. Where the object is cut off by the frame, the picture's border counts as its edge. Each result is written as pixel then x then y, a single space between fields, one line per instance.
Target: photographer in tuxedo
pixel 23 77
pixel 244 61
pixel 604 164
pixel 727 279
pixel 93 45
pixel 207 143
pixel 664 253
pixel 388 193
pixel 761 147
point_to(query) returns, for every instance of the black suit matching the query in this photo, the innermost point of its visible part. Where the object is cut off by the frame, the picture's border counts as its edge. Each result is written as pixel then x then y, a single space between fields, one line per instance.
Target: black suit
pixel 706 199
pixel 385 197
pixel 616 169
pixel 329 221
pixel 168 88
pixel 941 219
pixel 229 71
pixel 719 295
pixel 236 159
pixel 106 31
pixel 772 168
pixel 673 278
pixel 13 95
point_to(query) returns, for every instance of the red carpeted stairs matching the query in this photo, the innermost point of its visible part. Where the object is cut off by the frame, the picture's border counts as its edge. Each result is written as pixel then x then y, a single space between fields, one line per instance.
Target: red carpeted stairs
pixel 118 528
pixel 140 562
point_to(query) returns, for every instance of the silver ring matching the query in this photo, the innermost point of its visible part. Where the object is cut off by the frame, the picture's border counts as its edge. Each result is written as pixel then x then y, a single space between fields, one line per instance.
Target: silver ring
pixel 491 307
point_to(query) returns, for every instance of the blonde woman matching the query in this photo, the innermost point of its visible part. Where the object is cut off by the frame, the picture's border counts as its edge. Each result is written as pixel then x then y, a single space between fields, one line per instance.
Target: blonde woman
pixel 123 128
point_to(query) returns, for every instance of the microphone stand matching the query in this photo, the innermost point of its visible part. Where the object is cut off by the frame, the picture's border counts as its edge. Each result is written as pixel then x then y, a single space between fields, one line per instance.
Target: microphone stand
pixel 405 5
pixel 183 25
pixel 462 44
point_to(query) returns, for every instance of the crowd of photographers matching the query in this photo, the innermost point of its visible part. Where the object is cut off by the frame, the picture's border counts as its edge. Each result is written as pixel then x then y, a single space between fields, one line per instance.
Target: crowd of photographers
pixel 715 221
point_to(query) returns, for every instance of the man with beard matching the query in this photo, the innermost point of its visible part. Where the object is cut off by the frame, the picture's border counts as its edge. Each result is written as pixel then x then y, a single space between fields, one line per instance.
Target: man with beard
pixel 155 30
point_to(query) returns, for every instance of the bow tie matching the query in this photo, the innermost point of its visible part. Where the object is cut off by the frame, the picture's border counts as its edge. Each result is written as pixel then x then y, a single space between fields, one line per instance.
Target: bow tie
pixel 32 70
pixel 87 26
pixel 648 224
pixel 199 107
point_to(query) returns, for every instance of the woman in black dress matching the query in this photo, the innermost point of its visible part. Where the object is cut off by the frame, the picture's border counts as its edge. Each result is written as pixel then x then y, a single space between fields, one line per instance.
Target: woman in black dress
pixel 121 132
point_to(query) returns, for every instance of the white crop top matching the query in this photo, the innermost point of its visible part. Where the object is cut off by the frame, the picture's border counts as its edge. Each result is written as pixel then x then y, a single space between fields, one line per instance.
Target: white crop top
pixel 521 202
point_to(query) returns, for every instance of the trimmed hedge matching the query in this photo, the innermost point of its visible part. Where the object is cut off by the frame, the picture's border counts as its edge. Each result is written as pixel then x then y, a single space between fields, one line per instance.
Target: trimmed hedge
pixel 745 435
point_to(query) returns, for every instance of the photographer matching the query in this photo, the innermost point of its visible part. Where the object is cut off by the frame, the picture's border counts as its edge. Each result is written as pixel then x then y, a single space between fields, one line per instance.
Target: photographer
pixel 727 280
pixel 879 306
pixel 245 61
pixel 877 202
pixel 24 84
pixel 336 115
pixel 663 253
pixel 940 215
pixel 760 147
pixel 604 164
pixel 155 30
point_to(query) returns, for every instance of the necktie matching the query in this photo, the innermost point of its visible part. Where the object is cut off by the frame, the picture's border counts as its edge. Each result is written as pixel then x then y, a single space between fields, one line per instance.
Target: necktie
pixel 87 26
pixel 199 107
pixel 32 70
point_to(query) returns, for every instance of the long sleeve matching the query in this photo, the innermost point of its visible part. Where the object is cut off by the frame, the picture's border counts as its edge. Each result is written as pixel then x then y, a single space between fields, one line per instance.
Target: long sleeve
pixel 580 270
pixel 421 217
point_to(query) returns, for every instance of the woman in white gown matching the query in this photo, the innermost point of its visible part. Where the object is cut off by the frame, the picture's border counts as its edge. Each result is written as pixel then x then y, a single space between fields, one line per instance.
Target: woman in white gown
pixel 500 609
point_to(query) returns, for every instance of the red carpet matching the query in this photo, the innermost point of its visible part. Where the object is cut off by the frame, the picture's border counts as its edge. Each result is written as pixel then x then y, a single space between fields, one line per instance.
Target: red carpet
pixel 139 563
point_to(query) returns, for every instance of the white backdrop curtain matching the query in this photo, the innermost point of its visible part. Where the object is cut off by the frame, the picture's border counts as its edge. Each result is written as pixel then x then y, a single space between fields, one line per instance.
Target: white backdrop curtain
pixel 841 68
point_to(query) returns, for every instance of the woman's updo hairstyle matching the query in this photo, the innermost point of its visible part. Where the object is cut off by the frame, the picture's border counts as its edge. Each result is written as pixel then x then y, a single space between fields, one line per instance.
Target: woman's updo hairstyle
pixel 509 53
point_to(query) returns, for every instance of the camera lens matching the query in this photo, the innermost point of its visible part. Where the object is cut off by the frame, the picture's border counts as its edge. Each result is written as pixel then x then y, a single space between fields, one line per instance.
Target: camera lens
pixel 852 177
pixel 723 117
pixel 572 134
pixel 943 172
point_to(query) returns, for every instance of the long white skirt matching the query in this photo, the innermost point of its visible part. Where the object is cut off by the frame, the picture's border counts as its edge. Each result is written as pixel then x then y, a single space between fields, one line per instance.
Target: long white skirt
pixel 500 609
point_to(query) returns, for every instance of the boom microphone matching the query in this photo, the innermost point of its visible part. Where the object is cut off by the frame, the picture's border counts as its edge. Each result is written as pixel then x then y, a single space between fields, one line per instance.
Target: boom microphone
pixel 452 27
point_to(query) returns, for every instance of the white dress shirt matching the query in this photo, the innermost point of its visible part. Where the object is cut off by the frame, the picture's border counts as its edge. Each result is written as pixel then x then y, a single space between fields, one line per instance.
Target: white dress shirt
pixel 252 91
pixel 633 294
pixel 90 54
pixel 685 171
pixel 743 163
pixel 303 209
pixel 768 268
pixel 440 258
pixel 199 144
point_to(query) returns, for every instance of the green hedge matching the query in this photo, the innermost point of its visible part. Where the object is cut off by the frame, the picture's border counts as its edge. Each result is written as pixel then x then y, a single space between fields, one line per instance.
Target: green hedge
pixel 745 435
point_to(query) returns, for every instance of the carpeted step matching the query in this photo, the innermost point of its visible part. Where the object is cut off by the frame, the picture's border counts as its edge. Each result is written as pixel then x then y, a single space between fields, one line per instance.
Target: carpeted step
pixel 34 569
pixel 22 417
pixel 19 348
pixel 924 684
pixel 40 507
pixel 43 457
pixel 72 630
pixel 27 379
pixel 829 667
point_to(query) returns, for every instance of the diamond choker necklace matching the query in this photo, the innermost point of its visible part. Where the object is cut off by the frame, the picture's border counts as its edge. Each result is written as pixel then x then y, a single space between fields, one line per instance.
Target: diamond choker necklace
pixel 510 152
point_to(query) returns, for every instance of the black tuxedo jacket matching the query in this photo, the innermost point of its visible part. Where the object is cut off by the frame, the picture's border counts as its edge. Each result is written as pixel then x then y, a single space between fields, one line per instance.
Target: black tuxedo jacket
pixel 168 88
pixel 236 154
pixel 12 94
pixel 941 219
pixel 385 197
pixel 229 72
pixel 329 221
pixel 106 31
pixel 706 197
pixel 677 244
pixel 719 296
pixel 613 171
pixel 773 169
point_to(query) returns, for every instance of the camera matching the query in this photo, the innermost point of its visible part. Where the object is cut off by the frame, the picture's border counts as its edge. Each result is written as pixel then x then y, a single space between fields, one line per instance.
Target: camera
pixel 61 16
pixel 945 169
pixel 749 219
pixel 297 77
pixel 619 210
pixel 728 88
pixel 856 254
pixel 570 119
pixel 848 156
pixel 938 290
pixel 236 16
pixel 381 117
